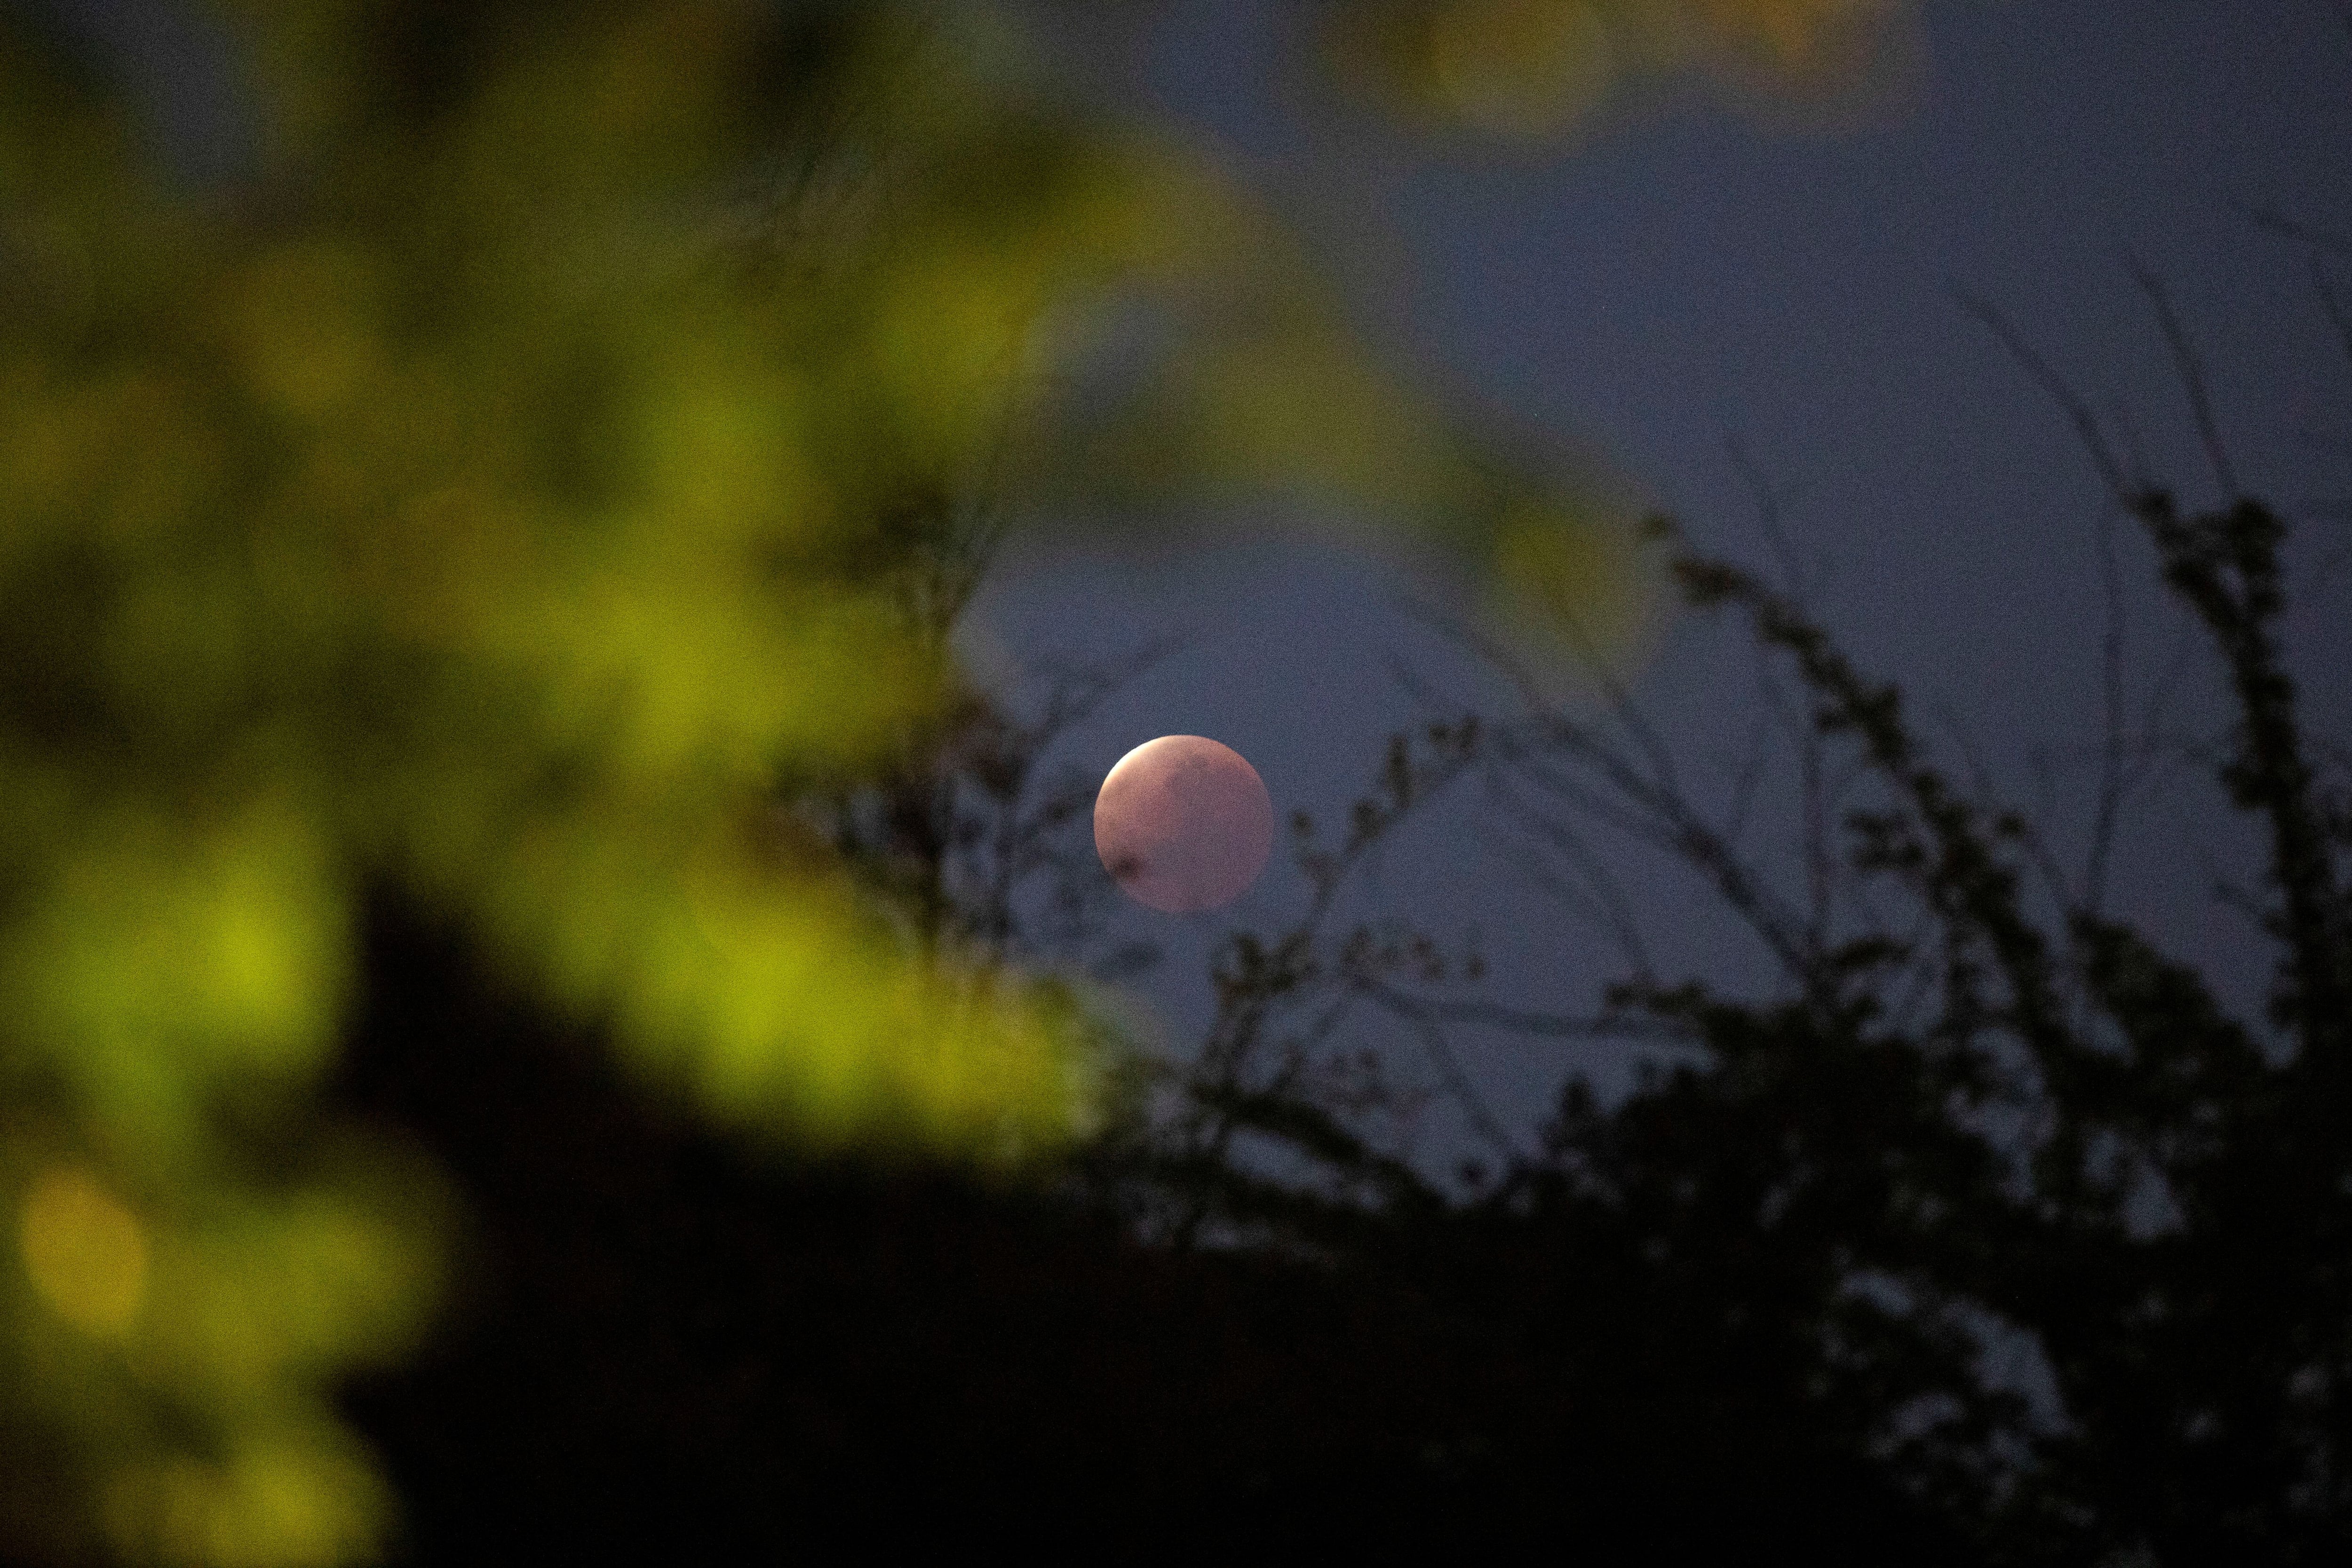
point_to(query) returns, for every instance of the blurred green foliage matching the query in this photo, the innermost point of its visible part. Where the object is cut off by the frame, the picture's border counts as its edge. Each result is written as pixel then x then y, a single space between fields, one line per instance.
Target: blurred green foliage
pixel 1541 68
pixel 495 491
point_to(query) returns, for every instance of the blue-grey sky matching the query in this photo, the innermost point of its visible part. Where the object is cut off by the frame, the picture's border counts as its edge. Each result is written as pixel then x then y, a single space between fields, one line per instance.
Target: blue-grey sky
pixel 1689 279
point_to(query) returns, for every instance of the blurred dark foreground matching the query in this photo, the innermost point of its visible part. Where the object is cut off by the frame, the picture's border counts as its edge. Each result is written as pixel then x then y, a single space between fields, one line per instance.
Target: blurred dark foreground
pixel 663 1340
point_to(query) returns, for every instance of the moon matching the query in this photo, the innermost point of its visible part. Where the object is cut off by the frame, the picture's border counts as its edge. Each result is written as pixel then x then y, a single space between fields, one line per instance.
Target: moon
pixel 1183 823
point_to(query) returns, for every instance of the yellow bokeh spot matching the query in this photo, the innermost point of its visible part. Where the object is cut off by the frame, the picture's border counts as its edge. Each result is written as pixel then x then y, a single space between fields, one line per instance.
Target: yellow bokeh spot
pixel 304 321
pixel 1521 68
pixel 1797 37
pixel 1538 68
pixel 306 1499
pixel 1566 586
pixel 85 1251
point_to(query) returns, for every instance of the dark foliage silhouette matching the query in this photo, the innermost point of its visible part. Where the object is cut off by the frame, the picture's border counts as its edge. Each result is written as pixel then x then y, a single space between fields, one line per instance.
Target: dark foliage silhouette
pixel 1750 1305
pixel 1981 1120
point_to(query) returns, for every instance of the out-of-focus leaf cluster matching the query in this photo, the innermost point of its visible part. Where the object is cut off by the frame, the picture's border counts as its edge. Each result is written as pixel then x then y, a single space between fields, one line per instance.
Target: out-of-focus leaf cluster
pixel 498 491
pixel 1537 68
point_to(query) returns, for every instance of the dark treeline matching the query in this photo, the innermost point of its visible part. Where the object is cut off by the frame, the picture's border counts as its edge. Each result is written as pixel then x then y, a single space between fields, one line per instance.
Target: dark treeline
pixel 1749 1306
pixel 663 1337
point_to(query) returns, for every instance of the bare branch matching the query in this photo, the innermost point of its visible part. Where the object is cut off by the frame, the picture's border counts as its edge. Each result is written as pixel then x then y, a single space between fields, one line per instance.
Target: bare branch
pixel 1768 499
pixel 1449 1070
pixel 2192 380
pixel 1744 782
pixel 1556 1025
pixel 2338 316
pixel 1615 909
pixel 2086 423
pixel 2279 223
pixel 2111 712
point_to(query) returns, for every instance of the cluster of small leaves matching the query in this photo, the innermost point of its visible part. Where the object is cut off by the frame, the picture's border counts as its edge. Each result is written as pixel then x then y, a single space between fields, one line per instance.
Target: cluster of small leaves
pixel 1997 1200
pixel 2072 1144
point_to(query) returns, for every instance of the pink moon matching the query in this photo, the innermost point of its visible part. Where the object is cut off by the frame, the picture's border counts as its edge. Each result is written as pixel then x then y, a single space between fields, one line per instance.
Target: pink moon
pixel 1183 823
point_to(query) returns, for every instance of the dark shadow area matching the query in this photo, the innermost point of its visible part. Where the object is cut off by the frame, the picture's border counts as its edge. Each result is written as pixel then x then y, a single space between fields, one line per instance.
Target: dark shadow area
pixel 662 1339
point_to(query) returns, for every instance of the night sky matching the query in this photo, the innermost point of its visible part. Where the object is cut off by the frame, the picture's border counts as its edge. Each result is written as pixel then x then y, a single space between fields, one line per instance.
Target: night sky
pixel 1692 278
pixel 1682 280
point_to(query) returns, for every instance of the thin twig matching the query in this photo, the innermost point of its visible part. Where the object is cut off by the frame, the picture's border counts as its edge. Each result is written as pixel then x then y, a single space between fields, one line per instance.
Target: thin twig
pixel 2111 703
pixel 2086 423
pixel 2337 315
pixel 1449 1069
pixel 2279 223
pixel 1767 519
pixel 2192 379
pixel 1556 1025
pixel 1616 910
